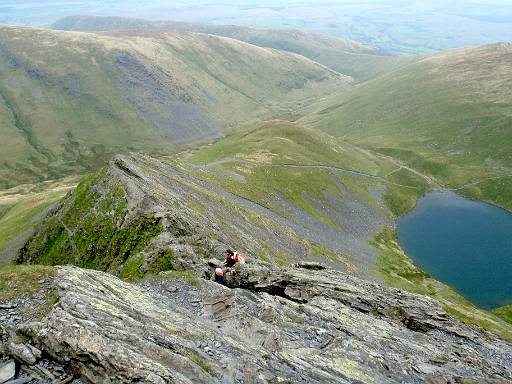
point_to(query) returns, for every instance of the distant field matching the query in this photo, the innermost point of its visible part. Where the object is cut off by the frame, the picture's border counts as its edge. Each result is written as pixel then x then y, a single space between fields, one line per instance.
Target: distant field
pixel 395 26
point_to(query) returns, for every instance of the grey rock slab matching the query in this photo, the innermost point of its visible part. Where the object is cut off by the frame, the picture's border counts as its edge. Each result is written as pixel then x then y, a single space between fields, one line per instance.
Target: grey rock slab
pixel 7 371
pixel 427 369
pixel 22 353
pixel 20 381
pixel 297 325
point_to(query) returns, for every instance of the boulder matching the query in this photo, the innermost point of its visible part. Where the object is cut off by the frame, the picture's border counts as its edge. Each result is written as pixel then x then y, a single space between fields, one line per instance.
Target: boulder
pixel 24 380
pixel 7 371
pixel 21 352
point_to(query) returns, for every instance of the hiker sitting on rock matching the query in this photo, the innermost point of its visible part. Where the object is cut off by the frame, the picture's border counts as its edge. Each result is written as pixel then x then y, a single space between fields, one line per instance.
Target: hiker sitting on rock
pixel 218 276
pixel 231 259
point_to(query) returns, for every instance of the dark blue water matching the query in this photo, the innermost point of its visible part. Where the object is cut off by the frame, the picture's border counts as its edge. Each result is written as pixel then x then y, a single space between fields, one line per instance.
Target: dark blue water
pixel 463 243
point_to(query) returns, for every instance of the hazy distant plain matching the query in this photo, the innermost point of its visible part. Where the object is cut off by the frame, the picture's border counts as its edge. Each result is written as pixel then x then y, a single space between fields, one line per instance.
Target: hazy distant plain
pixel 398 26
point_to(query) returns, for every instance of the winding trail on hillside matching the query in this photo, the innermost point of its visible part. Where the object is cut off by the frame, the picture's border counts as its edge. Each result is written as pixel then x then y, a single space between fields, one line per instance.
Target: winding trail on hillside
pixel 433 181
pixel 401 166
pixel 309 166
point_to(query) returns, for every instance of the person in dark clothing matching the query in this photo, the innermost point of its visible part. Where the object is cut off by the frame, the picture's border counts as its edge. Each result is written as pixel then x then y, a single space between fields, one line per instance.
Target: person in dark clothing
pixel 230 261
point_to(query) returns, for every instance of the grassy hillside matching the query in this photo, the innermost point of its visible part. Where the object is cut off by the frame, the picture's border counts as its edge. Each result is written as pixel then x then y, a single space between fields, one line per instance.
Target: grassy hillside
pixel 68 100
pixel 22 207
pixel 504 312
pixel 281 142
pixel 447 115
pixel 344 56
pixel 290 159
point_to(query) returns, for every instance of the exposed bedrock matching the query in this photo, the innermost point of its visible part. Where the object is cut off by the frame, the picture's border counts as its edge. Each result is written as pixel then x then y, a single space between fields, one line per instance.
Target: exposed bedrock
pixel 283 326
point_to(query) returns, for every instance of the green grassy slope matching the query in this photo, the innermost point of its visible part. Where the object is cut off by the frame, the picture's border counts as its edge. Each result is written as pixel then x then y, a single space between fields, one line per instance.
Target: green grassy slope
pixel 448 115
pixel 348 191
pixel 345 56
pixel 22 207
pixel 68 100
pixel 504 312
pixel 271 156
pixel 281 142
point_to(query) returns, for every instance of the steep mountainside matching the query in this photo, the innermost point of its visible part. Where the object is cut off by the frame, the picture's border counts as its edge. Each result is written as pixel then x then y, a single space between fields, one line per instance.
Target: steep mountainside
pixel 284 211
pixel 344 56
pixel 448 115
pixel 143 215
pixel 282 317
pixel 68 100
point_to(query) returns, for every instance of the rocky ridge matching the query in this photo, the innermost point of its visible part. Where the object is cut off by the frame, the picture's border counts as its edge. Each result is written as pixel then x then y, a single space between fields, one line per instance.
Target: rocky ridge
pixel 153 223
pixel 269 325
pixel 167 215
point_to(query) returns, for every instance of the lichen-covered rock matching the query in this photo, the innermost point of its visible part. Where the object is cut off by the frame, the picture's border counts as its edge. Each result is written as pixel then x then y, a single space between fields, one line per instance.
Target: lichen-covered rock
pixel 22 353
pixel 274 326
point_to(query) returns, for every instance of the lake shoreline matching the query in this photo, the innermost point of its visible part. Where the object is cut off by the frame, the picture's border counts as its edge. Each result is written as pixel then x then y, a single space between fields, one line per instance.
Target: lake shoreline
pixel 459 218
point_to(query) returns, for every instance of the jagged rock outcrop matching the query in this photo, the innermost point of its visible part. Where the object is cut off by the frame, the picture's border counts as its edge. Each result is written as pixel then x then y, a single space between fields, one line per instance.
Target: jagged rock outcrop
pixel 274 326
pixel 143 215
pixel 142 218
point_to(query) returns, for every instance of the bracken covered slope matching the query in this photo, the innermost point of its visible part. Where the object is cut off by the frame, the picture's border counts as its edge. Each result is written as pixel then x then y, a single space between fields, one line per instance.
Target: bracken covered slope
pixel 68 100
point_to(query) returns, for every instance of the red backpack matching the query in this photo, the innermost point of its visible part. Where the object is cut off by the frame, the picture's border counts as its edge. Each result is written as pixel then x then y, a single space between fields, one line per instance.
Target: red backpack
pixel 239 258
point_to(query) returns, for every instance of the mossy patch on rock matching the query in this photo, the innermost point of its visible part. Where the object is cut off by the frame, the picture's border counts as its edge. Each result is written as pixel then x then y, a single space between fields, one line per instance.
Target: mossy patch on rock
pixel 23 285
pixel 201 362
pixel 19 280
